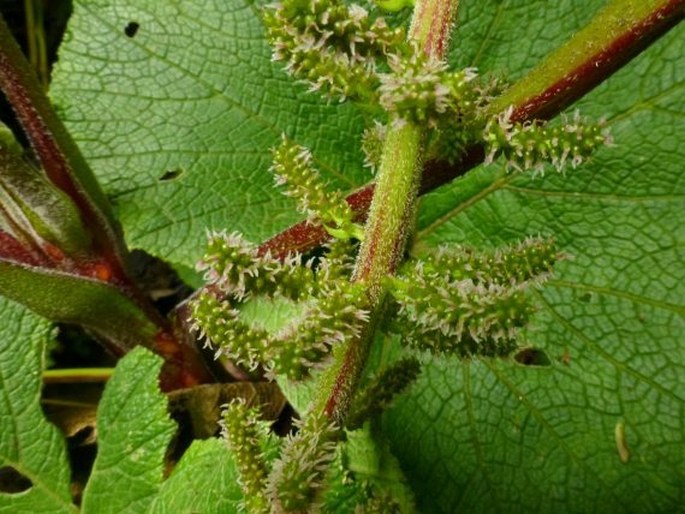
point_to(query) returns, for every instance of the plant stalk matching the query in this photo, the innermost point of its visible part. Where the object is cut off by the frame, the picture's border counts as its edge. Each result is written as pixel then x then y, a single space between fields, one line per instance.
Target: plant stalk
pixel 392 209
pixel 35 39
pixel 390 219
pixel 76 375
pixel 617 33
pixel 59 156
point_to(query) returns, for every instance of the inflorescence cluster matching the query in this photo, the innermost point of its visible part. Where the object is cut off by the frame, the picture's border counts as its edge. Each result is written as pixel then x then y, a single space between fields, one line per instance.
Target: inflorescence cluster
pixel 467 302
pixel 328 311
pixel 530 146
pixel 332 46
pixel 292 167
pixel 457 300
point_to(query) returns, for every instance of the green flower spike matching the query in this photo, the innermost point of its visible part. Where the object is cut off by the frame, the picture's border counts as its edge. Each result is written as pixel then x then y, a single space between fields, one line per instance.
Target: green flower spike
pixel 333 318
pixel 246 436
pixel 464 318
pixel 298 347
pixel 298 476
pixel 292 167
pixel 330 309
pixel 532 259
pixel 251 347
pixel 529 146
pixel 219 323
pixel 469 302
pixel 421 90
pixel 234 265
pixel 330 45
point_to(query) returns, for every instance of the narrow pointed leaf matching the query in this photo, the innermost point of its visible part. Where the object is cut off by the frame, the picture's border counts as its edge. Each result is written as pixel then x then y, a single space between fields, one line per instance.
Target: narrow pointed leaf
pixel 69 298
pixel 39 215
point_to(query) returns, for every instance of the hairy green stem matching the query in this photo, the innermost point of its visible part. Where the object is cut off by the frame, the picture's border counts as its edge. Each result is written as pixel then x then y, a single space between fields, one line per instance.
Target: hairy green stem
pixel 35 39
pixel 392 209
pixel 432 24
pixel 390 219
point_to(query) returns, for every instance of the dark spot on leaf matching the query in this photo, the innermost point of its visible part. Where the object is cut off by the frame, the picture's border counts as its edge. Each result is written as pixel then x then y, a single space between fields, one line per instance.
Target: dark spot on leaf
pixel 532 357
pixel 132 28
pixel 586 297
pixel 12 482
pixel 170 174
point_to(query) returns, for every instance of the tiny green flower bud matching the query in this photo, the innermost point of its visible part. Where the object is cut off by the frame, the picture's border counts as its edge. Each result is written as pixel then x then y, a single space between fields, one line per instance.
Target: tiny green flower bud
pixel 394 5
pixel 338 263
pixel 231 262
pixel 372 144
pixel 382 503
pixel 420 89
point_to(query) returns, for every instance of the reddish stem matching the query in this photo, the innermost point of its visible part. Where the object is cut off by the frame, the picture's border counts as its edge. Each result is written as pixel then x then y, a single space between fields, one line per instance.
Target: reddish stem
pixel 601 65
pixel 11 249
pixel 305 236
pixel 391 217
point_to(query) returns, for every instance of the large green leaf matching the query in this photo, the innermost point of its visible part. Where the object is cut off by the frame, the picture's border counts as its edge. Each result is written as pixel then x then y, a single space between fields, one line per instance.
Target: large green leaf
pixel 496 436
pixel 191 95
pixel 29 444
